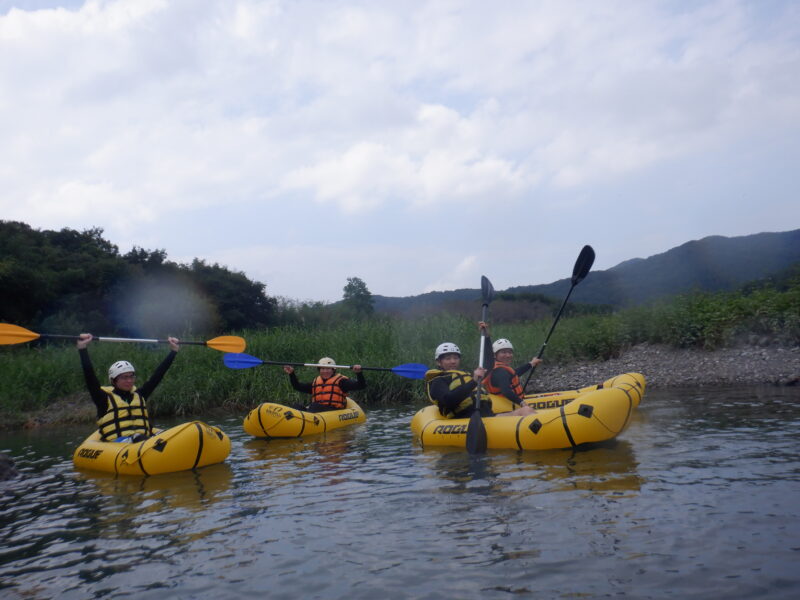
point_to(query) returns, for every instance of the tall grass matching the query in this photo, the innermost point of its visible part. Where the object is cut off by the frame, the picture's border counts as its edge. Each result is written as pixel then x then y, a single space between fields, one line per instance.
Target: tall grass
pixel 32 376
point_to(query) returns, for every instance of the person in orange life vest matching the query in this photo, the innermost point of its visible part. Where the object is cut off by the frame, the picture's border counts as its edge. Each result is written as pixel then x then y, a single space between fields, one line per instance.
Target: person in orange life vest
pixel 329 389
pixel 502 379
pixel 122 407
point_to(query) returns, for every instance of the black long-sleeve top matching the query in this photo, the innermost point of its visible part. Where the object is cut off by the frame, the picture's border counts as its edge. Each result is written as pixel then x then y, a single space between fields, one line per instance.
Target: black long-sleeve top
pixel 100 398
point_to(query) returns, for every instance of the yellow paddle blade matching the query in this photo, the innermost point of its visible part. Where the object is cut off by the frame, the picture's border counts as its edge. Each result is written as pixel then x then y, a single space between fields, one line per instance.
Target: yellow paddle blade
pixel 14 334
pixel 227 343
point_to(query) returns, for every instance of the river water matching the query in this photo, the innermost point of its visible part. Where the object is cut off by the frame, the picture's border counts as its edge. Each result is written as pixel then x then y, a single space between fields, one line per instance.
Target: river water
pixel 699 498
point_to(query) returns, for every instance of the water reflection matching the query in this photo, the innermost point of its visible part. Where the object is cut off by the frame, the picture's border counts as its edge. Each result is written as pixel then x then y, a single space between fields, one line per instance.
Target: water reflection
pixel 194 490
pixel 698 498
pixel 607 467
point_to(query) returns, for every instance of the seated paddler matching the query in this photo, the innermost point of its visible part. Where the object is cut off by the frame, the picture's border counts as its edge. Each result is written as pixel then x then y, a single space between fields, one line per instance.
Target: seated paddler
pixel 502 378
pixel 329 389
pixel 452 389
pixel 122 406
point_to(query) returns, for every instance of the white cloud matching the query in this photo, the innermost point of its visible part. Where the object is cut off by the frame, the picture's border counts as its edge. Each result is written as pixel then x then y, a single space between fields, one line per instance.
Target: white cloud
pixel 439 109
pixel 464 275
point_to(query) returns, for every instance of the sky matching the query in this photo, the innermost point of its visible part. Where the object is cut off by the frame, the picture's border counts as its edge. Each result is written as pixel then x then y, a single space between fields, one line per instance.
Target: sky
pixel 415 145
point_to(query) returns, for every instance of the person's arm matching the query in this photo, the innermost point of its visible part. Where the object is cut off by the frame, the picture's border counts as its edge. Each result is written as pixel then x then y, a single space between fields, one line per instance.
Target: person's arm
pixel 151 384
pixel 447 399
pixel 502 379
pixel 300 387
pixel 534 362
pixel 522 369
pixel 97 395
pixel 350 385
pixel 488 355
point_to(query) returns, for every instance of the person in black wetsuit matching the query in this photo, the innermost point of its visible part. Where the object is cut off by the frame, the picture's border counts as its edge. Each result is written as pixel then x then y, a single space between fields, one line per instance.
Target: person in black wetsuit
pixel 450 388
pixel 122 407
pixel 329 389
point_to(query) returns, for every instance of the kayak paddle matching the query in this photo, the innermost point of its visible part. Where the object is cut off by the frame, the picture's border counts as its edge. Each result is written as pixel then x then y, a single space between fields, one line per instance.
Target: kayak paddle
pixel 245 361
pixel 583 263
pixel 14 334
pixel 476 430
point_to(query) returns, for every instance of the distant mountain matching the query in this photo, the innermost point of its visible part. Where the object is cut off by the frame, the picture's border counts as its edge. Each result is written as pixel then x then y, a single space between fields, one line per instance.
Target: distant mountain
pixel 714 263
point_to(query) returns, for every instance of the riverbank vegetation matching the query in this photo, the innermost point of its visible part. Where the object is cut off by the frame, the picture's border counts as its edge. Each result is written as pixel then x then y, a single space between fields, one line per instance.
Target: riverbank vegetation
pixel 35 375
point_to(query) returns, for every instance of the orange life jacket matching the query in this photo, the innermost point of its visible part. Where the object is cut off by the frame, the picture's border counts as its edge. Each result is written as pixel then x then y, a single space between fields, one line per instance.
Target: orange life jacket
pixel 328 393
pixel 515 384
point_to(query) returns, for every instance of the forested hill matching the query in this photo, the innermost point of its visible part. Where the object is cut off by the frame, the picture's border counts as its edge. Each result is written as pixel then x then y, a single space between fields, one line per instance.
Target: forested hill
pixel 75 281
pixel 714 263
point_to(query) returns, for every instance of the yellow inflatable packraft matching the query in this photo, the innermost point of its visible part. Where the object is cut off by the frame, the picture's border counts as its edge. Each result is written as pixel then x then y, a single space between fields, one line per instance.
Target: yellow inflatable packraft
pixel 567 419
pixel 179 448
pixel 269 420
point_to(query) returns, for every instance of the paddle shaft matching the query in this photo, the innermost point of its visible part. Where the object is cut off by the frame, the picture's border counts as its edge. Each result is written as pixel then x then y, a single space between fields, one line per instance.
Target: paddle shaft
pixel 583 263
pixel 14 334
pixel 479 389
pixel 476 441
pixel 115 339
pixel 553 326
pixel 292 364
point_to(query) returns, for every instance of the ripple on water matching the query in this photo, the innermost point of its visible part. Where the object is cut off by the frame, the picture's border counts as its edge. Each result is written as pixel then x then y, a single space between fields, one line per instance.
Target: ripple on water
pixel 697 498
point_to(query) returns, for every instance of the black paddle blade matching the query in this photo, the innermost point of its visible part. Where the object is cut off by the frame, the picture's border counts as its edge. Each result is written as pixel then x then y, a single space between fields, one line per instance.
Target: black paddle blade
pixel 476 434
pixel 487 291
pixel 583 264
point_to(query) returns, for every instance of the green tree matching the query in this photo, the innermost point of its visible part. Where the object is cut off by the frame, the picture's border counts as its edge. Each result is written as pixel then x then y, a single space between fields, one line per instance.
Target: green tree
pixel 357 298
pixel 70 280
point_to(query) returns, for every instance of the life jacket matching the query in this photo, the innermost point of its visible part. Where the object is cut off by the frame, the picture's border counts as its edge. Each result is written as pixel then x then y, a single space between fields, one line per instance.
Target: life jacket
pixel 123 418
pixel 328 393
pixel 515 384
pixel 455 379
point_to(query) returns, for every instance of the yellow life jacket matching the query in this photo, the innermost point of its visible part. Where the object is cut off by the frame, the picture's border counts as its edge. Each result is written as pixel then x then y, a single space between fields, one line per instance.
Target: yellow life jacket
pixel 515 384
pixel 123 418
pixel 328 393
pixel 455 379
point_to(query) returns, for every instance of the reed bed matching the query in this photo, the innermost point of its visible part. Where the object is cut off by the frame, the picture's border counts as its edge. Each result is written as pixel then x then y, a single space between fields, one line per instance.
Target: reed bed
pixel 35 375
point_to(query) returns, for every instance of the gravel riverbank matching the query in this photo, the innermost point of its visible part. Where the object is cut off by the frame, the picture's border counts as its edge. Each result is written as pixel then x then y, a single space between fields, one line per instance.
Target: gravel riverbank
pixel 664 366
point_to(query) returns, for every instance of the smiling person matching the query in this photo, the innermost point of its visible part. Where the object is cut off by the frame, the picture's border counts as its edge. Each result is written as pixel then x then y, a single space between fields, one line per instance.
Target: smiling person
pixel 122 407
pixel 451 388
pixel 329 389
pixel 503 380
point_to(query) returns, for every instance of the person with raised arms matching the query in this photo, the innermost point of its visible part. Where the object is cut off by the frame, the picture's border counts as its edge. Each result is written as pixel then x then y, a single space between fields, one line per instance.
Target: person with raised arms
pixel 122 407
pixel 329 389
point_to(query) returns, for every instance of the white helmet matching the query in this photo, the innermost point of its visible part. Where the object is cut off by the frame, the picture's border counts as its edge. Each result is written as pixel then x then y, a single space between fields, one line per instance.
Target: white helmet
pixel 118 368
pixel 326 361
pixel 446 348
pixel 501 344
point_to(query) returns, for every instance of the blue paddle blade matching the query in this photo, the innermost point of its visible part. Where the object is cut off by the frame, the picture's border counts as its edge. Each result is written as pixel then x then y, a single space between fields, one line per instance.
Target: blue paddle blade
pixel 240 360
pixel 411 370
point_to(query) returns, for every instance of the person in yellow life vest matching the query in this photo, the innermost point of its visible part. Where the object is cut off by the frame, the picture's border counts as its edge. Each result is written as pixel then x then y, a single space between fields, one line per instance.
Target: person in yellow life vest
pixel 329 389
pixel 503 380
pixel 122 407
pixel 450 388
